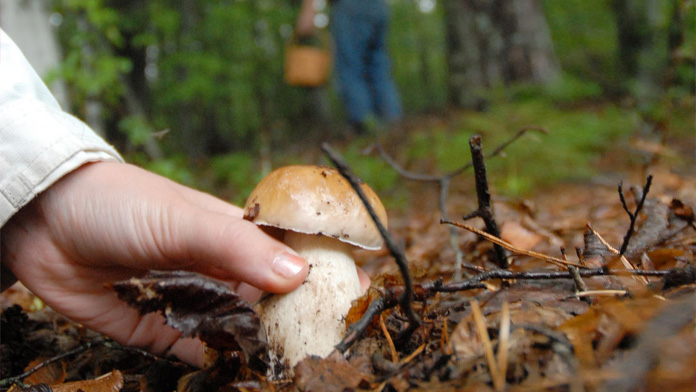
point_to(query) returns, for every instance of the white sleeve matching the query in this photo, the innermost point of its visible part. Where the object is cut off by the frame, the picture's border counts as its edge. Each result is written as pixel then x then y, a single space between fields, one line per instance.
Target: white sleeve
pixel 39 143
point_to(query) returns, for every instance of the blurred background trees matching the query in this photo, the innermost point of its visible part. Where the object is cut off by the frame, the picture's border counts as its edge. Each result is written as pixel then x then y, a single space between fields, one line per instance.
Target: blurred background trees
pixel 181 82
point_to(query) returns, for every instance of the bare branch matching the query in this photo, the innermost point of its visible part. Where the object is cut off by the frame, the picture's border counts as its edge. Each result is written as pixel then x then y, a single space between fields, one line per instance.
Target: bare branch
pixel 444 183
pixel 632 215
pixel 396 251
pixel 485 210
pixel 389 297
pixel 512 248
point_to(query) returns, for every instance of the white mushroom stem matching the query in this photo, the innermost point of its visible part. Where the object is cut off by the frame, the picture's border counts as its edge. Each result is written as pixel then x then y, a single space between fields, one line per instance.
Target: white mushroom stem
pixel 311 319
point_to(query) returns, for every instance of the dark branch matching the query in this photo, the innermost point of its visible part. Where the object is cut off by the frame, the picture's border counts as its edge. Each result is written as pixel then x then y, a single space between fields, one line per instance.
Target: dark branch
pixel 77 350
pixel 485 211
pixel 398 254
pixel 389 298
pixel 444 183
pixel 633 216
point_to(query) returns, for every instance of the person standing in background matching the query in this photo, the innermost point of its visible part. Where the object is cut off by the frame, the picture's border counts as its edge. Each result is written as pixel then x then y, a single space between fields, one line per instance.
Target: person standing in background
pixel 361 60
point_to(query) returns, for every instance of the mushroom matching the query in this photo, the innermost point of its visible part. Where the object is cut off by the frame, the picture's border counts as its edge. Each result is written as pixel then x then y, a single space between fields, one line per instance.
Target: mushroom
pixel 322 219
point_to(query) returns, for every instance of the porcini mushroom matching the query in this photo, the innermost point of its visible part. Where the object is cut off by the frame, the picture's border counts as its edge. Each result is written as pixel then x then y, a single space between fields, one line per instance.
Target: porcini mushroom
pixel 322 218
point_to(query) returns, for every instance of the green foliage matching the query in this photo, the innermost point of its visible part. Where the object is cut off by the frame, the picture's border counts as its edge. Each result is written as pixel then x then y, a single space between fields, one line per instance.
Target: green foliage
pixel 577 138
pixel 375 172
pixel 175 168
pixel 584 37
pixel 237 173
pixel 137 128
pixel 569 89
pixel 91 71
pixel 420 71
pixel 211 71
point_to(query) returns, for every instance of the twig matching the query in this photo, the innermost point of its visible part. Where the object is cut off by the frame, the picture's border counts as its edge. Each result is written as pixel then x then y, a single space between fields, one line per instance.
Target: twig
pixel 512 248
pixel 632 215
pixel 444 184
pixel 503 342
pixel 398 254
pixel 601 292
pixel 5 382
pixel 580 285
pixel 627 264
pixel 392 348
pixel 77 350
pixel 414 354
pixel 485 211
pixel 376 307
pixel 389 298
pixel 488 347
pixel 581 256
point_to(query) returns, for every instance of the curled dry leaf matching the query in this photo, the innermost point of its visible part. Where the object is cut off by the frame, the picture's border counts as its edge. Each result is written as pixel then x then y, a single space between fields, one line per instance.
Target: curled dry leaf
pixel 200 307
pixel 110 382
pixel 330 374
pixel 519 236
pixel 50 375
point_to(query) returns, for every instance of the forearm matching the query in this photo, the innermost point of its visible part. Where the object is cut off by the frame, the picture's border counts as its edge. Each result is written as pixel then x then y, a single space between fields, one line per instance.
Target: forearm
pixel 39 143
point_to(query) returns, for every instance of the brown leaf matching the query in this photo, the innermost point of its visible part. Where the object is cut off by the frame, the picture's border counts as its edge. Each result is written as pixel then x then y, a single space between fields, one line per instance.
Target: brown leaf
pixel 681 210
pixel 519 236
pixel 111 382
pixel 51 374
pixel 19 295
pixel 201 307
pixel 331 374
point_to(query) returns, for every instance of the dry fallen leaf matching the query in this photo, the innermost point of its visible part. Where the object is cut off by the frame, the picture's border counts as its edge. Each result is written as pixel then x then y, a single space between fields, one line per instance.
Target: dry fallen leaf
pixel 110 382
pixel 201 307
pixel 519 236
pixel 331 374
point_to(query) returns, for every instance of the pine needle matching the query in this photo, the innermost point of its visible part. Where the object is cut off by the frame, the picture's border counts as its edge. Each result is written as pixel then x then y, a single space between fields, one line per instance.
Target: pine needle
pixel 488 347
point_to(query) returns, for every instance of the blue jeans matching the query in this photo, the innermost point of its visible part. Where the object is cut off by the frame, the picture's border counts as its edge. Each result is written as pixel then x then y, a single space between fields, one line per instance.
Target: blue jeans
pixel 362 66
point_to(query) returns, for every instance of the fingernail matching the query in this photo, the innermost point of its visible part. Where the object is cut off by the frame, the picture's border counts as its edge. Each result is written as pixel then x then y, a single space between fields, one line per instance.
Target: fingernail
pixel 288 265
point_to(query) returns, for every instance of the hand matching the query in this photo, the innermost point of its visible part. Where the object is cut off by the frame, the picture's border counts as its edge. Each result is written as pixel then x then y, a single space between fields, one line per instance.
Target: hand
pixel 110 221
pixel 305 21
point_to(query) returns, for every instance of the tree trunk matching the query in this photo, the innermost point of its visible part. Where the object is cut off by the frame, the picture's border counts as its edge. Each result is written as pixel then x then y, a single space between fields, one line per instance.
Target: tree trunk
pixel 494 42
pixel 648 32
pixel 193 139
pixel 28 24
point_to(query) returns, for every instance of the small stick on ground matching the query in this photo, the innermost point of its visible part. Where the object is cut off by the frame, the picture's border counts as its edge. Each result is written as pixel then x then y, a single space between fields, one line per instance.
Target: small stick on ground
pixel 414 354
pixel 580 285
pixel 632 215
pixel 512 248
pixel 589 293
pixel 392 348
pixel 444 184
pixel 503 342
pixel 390 297
pixel 485 210
pixel 613 250
pixel 480 323
pixel 398 254
pixel 77 350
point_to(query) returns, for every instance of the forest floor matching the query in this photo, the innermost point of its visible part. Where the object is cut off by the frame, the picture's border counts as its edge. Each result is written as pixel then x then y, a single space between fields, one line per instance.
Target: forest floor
pixel 537 326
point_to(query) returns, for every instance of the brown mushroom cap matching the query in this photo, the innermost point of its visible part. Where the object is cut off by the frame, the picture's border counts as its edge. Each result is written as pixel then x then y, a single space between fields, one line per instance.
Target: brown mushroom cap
pixel 315 200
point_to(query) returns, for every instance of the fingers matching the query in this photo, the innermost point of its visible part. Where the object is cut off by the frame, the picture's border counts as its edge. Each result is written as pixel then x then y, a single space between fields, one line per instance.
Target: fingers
pixel 364 280
pixel 131 218
pixel 235 249
pixel 208 202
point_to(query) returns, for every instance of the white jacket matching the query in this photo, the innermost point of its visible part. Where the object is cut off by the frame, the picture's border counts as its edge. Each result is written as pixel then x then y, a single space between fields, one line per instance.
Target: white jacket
pixel 39 142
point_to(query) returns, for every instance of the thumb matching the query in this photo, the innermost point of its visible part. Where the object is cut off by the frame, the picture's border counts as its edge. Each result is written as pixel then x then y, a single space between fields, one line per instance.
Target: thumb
pixel 231 248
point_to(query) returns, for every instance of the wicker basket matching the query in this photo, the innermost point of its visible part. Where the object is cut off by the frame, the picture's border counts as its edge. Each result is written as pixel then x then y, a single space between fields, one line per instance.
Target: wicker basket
pixel 305 65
